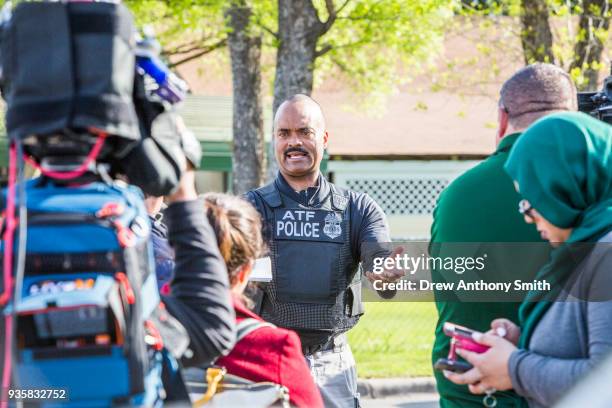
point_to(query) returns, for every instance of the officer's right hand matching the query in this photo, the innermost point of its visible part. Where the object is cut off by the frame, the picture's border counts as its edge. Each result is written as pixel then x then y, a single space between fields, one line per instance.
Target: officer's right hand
pixel 390 275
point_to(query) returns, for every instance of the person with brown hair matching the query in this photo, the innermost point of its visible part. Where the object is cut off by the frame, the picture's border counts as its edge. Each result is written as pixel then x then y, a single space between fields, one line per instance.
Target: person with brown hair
pixel 268 353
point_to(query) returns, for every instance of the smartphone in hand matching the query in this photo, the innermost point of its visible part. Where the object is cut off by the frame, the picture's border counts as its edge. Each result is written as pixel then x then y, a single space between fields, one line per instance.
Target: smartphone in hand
pixel 455 366
pixel 461 337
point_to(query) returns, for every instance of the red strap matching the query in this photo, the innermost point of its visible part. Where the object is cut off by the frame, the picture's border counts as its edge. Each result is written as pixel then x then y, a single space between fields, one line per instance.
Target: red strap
pixel 9 234
pixel 153 332
pixel 125 236
pixel 11 224
pixel 111 209
pixel 79 171
pixel 129 292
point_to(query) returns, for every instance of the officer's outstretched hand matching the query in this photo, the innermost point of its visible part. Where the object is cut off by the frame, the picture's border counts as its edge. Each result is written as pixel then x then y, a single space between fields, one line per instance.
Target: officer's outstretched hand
pixel 388 275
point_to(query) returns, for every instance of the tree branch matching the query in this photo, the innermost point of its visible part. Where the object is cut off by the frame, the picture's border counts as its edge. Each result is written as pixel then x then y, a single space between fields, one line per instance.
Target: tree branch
pixel 346 2
pixel 323 50
pixel 341 66
pixel 366 17
pixel 328 47
pixel 268 30
pixel 331 10
pixel 332 14
pixel 363 16
pixel 186 48
pixel 204 51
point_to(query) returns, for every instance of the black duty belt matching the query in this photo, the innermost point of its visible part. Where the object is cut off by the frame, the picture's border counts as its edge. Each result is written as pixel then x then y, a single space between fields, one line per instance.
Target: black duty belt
pixel 335 344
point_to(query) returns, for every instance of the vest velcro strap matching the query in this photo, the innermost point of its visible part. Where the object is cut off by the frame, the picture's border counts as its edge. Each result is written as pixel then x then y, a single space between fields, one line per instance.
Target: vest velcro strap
pixel 270 195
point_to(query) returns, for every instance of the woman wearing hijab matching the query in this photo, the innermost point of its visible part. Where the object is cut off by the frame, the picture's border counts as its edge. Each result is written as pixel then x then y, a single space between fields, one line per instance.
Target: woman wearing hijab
pixel 562 167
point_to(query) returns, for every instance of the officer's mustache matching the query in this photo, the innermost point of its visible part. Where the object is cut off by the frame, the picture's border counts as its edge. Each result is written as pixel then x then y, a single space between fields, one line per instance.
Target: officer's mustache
pixel 296 149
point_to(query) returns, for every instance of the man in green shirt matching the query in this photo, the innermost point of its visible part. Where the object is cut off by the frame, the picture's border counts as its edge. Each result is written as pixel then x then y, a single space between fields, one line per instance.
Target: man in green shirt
pixel 481 206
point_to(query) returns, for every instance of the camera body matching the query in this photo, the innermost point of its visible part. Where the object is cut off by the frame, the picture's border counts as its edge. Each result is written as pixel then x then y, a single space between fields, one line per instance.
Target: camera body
pixel 102 81
pixel 598 104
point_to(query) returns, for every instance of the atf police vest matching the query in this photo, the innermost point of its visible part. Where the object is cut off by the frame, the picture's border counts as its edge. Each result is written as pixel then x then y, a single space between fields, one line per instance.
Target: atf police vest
pixel 315 284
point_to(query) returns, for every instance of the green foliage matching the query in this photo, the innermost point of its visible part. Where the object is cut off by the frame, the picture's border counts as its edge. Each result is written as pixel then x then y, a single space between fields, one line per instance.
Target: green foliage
pixel 374 46
pixel 493 26
pixel 175 17
pixel 186 28
pixel 180 22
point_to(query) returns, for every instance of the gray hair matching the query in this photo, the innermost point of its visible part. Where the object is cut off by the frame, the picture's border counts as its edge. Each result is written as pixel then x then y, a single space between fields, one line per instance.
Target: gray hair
pixel 535 91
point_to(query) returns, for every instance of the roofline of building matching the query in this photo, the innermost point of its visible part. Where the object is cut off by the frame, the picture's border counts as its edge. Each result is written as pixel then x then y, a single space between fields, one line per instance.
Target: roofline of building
pixel 415 157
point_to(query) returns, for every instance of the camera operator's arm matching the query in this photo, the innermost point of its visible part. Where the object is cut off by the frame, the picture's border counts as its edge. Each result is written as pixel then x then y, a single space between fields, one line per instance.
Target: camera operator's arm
pixel 200 297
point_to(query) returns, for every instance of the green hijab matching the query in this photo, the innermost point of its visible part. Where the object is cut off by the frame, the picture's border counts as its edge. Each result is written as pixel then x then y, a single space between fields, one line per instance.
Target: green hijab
pixel 562 165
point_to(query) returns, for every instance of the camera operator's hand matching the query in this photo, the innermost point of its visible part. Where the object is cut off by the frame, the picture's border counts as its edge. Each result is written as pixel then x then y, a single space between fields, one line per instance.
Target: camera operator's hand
pixel 186 190
pixel 193 153
pixel 189 143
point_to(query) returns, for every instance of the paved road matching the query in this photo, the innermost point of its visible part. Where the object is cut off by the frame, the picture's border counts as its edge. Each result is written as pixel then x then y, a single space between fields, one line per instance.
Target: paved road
pixel 417 400
pixel 410 401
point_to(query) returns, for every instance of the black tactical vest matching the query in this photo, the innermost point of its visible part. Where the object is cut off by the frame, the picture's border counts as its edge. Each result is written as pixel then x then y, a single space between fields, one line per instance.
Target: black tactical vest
pixel 315 283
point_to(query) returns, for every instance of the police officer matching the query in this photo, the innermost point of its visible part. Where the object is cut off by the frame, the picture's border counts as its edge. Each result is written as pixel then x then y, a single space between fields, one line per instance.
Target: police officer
pixel 314 230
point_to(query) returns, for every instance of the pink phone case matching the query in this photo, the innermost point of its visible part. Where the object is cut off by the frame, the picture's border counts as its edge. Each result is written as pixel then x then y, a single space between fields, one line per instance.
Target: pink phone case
pixel 462 338
pixel 470 345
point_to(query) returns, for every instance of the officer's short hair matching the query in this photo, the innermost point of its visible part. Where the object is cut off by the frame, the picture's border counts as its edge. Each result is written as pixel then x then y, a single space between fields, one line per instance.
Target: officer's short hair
pixel 535 91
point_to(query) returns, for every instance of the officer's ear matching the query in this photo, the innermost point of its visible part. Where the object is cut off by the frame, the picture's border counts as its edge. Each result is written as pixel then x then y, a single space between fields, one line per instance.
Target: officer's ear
pixel 325 138
pixel 502 123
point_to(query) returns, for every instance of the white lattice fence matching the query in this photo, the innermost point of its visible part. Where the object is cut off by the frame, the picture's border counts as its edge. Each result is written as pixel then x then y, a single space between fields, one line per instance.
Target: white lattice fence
pixel 402 195
pixel 406 190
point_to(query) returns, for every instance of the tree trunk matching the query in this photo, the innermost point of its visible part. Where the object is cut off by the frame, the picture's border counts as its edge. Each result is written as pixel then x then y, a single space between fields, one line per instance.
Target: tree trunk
pixel 536 36
pixel 248 164
pixel 299 29
pixel 589 48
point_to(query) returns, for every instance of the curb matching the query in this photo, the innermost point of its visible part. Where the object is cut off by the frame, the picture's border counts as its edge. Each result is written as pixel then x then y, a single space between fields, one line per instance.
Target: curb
pixel 388 387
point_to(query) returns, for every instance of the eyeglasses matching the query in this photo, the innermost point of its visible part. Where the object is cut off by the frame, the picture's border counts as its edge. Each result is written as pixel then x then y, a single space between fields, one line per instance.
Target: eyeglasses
pixel 525 208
